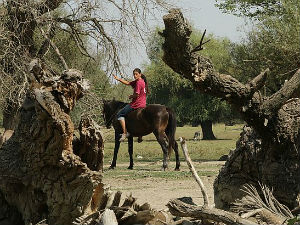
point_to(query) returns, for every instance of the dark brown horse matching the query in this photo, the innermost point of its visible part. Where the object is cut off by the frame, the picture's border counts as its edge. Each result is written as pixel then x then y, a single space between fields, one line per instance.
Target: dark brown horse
pixel 156 119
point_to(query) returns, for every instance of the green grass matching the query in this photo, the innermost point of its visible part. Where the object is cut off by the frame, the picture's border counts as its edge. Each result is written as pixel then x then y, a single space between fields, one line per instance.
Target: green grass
pixel 148 170
pixel 150 150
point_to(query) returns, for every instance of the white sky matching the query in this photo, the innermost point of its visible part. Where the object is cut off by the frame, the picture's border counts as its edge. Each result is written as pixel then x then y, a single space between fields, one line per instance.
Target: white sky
pixel 202 14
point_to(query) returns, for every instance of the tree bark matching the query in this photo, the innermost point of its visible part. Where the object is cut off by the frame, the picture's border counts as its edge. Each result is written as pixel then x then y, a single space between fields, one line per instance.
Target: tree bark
pixel 207 131
pixel 272 155
pixel 41 177
pixel 90 145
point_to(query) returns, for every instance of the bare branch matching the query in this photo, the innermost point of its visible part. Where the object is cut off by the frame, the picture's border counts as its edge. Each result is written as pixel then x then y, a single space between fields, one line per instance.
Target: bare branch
pixel 200 46
pixel 179 208
pixel 193 171
pixel 55 49
pixel 45 46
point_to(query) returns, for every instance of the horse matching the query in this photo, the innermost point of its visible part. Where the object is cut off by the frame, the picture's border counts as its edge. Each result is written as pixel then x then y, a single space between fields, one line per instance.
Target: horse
pixel 154 118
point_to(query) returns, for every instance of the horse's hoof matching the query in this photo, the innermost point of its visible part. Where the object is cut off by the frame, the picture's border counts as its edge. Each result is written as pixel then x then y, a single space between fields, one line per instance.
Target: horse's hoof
pixel 111 167
pixel 164 168
pixel 177 169
pixel 130 167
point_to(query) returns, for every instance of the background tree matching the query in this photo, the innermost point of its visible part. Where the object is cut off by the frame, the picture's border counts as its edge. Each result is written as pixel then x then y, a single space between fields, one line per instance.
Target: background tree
pixel 168 88
pixel 273 41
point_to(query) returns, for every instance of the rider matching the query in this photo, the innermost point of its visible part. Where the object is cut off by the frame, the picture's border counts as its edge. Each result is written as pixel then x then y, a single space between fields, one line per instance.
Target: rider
pixel 138 98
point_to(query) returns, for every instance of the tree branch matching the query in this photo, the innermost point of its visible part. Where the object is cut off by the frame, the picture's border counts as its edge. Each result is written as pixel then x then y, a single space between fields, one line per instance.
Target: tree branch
pixel 290 89
pixel 178 54
pixel 63 61
pixel 258 82
pixel 48 5
pixel 200 46
pixel 194 172
pixel 179 208
pixel 45 46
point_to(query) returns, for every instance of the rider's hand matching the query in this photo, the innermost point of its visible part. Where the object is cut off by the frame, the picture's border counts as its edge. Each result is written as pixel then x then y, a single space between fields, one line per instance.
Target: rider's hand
pixel 115 77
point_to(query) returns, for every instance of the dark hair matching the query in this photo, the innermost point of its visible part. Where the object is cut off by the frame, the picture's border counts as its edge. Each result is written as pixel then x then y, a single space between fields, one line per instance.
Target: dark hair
pixel 143 77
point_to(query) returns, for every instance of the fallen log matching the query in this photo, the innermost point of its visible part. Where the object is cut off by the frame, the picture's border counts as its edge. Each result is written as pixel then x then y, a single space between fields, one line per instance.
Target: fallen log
pixel 179 208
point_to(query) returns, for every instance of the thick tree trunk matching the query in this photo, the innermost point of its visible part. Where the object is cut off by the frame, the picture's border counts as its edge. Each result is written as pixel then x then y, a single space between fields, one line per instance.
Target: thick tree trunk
pixel 207 131
pixel 261 160
pixel 41 177
pixel 270 154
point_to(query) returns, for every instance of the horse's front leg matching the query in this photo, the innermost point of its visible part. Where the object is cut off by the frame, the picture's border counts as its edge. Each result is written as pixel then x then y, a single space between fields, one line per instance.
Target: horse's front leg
pixel 130 152
pixel 116 150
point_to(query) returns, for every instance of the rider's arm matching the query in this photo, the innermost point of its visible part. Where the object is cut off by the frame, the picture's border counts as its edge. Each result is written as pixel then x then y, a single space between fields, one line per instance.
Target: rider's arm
pixel 122 80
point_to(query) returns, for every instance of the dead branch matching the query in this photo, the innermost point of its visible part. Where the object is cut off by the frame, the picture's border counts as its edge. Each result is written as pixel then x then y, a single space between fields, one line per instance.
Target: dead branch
pixel 194 172
pixel 269 209
pixel 179 208
pixel 63 61
pixel 200 46
pixel 45 45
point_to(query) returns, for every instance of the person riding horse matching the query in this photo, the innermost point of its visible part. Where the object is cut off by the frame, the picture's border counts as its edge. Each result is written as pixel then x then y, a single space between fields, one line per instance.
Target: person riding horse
pixel 140 90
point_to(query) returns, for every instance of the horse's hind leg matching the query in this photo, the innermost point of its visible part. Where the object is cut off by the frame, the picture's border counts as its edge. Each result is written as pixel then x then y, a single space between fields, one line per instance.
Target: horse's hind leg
pixel 116 150
pixel 175 147
pixel 163 141
pixel 130 152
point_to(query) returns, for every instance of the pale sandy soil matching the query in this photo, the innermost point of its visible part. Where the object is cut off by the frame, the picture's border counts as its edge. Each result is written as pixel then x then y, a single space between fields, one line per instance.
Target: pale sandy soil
pixel 158 191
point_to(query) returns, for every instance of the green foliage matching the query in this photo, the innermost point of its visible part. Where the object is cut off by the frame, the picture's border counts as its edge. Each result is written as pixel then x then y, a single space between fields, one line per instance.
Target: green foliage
pixel 274 43
pixel 169 88
pixel 294 220
pixel 250 8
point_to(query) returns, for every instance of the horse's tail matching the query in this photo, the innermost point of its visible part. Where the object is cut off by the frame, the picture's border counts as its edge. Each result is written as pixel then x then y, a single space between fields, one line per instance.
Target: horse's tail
pixel 171 129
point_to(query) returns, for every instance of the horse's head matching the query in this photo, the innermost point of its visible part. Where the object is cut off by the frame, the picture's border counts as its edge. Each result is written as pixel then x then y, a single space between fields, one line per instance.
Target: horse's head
pixel 110 110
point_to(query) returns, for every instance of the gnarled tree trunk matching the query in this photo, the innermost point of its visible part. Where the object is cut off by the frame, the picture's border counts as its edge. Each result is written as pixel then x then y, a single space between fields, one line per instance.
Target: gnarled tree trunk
pixel 269 151
pixel 41 177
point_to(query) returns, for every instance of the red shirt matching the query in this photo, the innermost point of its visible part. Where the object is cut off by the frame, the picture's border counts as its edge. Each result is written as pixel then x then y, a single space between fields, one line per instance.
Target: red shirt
pixel 138 88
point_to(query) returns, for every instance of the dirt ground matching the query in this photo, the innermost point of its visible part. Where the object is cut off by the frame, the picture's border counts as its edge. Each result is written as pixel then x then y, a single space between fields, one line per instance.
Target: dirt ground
pixel 158 191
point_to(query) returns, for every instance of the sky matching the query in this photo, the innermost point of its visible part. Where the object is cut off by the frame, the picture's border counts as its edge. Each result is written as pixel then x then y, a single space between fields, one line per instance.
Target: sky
pixel 202 14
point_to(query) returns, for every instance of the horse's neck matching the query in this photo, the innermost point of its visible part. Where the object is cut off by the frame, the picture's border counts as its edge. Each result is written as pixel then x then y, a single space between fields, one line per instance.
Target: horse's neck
pixel 118 106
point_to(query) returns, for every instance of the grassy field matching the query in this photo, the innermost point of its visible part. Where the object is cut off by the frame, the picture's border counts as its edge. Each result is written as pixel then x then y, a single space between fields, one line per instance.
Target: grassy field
pixel 149 150
pixel 148 155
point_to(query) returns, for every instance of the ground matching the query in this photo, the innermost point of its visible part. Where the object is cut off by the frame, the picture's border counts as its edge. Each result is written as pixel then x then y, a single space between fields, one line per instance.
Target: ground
pixel 148 184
